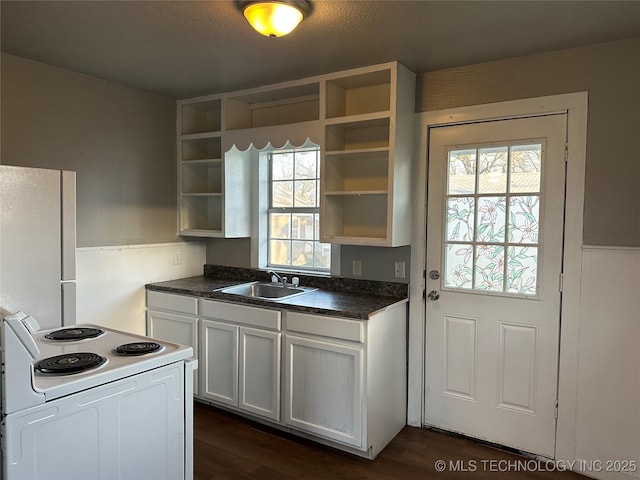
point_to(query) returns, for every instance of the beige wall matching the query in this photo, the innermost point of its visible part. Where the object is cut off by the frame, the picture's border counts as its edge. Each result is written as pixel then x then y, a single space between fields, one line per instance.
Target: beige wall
pixel 611 74
pixel 120 141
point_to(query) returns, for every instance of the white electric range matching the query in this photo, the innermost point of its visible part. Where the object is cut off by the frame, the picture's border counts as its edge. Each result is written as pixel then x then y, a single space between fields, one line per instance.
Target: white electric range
pixel 87 402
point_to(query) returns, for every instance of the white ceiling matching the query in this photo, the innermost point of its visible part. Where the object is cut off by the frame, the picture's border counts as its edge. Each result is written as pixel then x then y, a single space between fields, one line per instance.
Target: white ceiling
pixel 188 48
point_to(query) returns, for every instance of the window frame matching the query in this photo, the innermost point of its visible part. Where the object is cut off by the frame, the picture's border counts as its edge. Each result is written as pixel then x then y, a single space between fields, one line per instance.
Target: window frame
pixel 315 211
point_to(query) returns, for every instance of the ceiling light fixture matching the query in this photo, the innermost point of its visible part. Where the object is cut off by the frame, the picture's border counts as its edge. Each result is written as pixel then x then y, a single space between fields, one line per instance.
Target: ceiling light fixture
pixel 274 18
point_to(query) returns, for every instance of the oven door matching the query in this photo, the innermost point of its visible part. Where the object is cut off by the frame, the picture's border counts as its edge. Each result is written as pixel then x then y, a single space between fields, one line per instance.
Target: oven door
pixel 133 428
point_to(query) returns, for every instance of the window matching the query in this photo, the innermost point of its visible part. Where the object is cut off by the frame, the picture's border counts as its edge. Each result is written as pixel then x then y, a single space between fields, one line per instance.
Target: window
pixel 493 214
pixel 293 211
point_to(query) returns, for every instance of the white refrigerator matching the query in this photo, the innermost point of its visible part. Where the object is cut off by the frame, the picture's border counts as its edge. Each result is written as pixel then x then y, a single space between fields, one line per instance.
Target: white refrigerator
pixel 38 244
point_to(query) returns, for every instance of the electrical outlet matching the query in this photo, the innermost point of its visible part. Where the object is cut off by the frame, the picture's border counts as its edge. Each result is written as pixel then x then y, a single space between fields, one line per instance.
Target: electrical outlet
pixel 400 270
pixel 177 257
pixel 357 268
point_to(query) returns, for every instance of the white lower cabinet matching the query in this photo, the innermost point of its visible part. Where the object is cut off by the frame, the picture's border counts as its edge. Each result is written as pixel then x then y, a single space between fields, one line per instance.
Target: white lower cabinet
pixel 240 364
pixel 259 379
pixel 344 380
pixel 219 366
pixel 173 318
pixel 325 388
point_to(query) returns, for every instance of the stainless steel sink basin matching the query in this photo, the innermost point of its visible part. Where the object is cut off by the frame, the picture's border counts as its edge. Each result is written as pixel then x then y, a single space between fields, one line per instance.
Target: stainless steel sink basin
pixel 268 291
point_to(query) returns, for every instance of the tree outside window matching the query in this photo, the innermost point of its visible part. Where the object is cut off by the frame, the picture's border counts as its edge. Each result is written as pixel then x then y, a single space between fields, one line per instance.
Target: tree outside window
pixel 294 211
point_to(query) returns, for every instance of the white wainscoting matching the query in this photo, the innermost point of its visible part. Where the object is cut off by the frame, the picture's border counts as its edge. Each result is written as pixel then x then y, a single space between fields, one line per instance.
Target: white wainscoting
pixel 608 407
pixel 111 280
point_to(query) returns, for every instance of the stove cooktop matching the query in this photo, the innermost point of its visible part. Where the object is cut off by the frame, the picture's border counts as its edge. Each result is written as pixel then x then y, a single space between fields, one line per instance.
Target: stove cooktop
pixel 142 354
pixel 74 334
pixel 69 363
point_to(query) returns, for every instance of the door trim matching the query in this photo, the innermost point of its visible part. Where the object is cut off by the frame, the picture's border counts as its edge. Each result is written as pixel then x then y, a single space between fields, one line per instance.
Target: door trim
pixel 575 106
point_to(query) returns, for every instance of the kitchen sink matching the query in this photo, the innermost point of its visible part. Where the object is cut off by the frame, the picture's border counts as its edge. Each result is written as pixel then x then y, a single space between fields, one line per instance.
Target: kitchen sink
pixel 268 291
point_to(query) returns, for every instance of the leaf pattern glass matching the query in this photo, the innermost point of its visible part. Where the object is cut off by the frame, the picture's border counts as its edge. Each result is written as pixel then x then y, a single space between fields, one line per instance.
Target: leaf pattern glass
pixel 526 163
pixel 492 170
pixel 489 261
pixel 493 212
pixel 524 217
pixel 460 218
pixel 491 218
pixel 458 264
pixel 462 172
pixel 522 270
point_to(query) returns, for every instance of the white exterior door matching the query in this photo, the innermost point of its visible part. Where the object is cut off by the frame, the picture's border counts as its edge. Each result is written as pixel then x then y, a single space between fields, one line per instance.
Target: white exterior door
pixel 494 259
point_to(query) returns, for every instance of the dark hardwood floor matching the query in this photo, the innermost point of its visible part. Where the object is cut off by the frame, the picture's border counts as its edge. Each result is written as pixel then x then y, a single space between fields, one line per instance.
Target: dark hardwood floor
pixel 227 447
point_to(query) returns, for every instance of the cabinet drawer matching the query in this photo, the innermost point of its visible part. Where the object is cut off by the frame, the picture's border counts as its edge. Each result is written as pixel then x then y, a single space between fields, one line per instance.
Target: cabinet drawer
pixel 326 326
pixel 171 302
pixel 257 317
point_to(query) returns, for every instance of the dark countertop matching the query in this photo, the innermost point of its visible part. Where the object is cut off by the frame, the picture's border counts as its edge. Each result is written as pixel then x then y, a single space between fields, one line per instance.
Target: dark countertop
pixel 325 302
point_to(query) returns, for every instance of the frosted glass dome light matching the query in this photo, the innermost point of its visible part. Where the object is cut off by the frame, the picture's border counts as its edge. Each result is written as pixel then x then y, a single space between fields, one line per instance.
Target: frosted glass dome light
pixel 274 18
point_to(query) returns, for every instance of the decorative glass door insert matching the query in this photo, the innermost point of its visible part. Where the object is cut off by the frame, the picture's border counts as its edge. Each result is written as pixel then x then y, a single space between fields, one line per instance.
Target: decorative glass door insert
pixel 493 207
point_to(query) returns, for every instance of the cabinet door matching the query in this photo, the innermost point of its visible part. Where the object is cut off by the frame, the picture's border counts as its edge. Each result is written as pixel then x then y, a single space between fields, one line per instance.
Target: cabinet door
pixel 219 369
pixel 177 329
pixel 260 372
pixel 324 391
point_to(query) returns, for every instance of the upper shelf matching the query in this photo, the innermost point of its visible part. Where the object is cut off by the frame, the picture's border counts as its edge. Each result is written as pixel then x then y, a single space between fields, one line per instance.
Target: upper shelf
pixel 280 106
pixel 201 117
pixel 358 94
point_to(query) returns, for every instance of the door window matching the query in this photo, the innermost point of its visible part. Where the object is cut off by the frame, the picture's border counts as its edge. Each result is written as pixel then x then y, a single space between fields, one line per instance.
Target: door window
pixel 492 233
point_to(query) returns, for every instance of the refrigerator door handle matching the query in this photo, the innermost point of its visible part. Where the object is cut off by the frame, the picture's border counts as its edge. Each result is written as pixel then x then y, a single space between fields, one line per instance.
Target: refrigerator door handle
pixel 68 220
pixel 68 303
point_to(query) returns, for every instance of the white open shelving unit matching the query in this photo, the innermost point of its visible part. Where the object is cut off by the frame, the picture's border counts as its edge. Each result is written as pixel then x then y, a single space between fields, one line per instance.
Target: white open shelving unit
pixel 363 121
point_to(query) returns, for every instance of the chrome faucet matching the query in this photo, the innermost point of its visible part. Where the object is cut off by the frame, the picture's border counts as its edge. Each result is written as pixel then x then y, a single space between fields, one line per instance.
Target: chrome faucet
pixel 282 280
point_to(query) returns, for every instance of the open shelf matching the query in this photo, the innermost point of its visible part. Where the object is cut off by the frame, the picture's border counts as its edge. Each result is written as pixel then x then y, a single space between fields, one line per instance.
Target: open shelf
pixel 200 212
pixel 280 106
pixel 207 148
pixel 355 192
pixel 201 117
pixel 355 217
pixel 359 94
pixel 363 120
pixel 202 177
pixel 358 170
pixel 367 134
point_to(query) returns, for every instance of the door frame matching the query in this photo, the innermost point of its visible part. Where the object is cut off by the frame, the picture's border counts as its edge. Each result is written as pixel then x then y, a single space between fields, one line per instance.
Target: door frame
pixel 575 107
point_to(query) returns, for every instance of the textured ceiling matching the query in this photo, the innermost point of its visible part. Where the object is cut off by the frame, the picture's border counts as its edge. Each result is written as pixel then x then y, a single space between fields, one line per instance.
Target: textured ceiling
pixel 188 48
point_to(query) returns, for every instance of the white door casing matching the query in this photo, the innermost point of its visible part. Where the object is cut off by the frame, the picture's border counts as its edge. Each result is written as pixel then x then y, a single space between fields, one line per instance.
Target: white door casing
pixel 492 336
pixel 576 107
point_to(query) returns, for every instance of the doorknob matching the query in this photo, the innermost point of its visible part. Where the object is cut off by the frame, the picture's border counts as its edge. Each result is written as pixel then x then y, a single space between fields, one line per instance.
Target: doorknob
pixel 433 295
